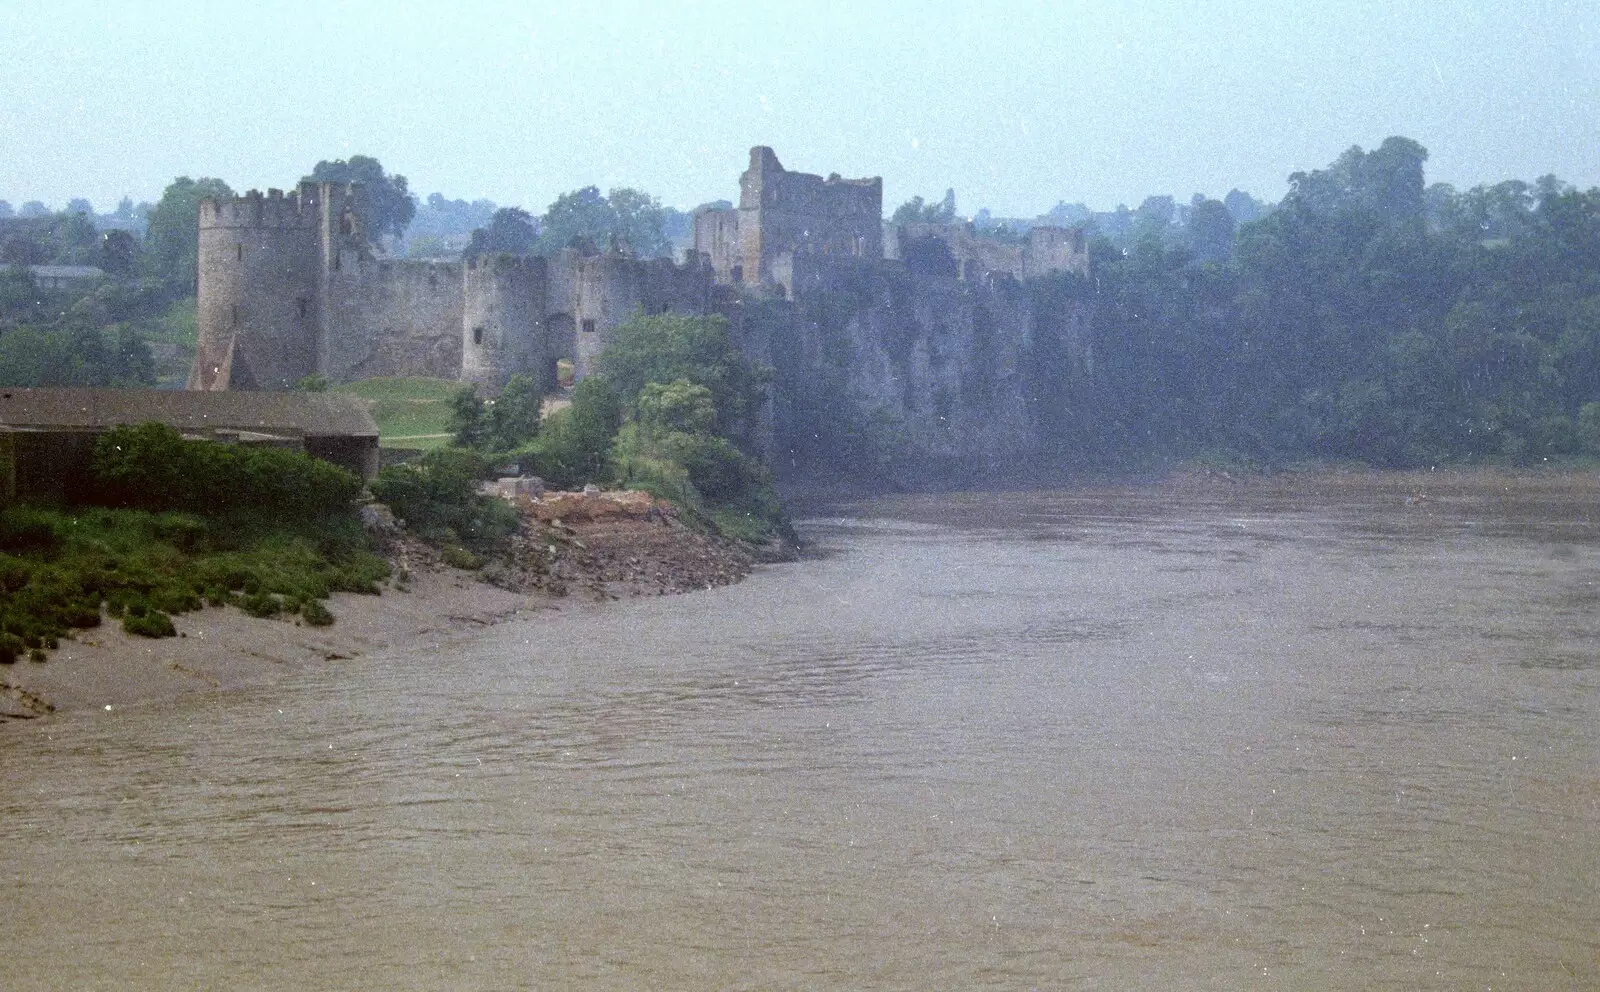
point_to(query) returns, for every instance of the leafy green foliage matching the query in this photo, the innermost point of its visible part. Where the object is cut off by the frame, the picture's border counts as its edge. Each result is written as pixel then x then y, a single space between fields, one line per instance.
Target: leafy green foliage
pixel 437 495
pixel 916 211
pixel 151 467
pixel 507 422
pixel 574 445
pixel 60 568
pixel 1368 317
pixel 586 220
pixel 510 230
pixel 172 241
pixel 390 205
pixel 65 238
pixel 469 420
pixel 667 348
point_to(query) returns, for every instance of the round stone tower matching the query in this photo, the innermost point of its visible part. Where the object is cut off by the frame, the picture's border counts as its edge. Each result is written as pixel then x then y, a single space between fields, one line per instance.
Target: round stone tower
pixel 258 317
pixel 610 291
pixel 503 300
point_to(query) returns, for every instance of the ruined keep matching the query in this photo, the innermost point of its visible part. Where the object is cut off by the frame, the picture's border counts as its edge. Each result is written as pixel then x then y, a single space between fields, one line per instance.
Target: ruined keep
pixel 782 214
pixel 936 326
pixel 289 287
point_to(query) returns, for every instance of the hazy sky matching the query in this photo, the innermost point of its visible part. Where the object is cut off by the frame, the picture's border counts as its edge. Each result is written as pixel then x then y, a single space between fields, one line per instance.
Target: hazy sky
pixel 1016 105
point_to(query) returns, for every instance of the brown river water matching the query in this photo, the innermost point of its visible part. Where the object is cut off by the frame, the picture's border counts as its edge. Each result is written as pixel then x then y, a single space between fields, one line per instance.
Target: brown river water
pixel 1336 733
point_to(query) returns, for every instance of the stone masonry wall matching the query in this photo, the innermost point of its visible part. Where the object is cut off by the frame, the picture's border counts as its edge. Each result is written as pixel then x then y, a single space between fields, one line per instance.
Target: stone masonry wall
pixel 388 318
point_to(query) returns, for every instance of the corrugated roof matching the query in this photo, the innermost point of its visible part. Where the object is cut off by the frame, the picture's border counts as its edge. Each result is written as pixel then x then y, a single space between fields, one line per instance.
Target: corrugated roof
pixel 294 414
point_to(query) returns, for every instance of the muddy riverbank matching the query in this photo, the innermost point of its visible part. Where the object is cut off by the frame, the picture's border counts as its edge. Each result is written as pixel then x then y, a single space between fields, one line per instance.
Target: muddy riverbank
pixel 590 554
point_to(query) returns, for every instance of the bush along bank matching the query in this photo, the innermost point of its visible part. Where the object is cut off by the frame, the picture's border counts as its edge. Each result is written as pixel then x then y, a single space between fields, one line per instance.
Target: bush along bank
pixel 672 408
pixel 166 526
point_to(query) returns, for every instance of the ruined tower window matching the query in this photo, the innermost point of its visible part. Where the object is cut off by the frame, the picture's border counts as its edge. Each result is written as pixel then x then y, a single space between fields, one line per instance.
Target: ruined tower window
pixel 477 334
pixel 238 252
pixel 304 306
pixel 235 315
pixel 588 325
pixel 738 273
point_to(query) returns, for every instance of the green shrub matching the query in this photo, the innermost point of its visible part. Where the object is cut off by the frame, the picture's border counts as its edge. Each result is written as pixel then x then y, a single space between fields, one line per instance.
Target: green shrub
pixel 25 529
pixel 171 599
pixel 149 623
pixel 147 566
pixel 10 646
pixel 315 614
pixel 574 445
pixel 150 466
pixel 437 496
pixel 261 604
pixel 456 556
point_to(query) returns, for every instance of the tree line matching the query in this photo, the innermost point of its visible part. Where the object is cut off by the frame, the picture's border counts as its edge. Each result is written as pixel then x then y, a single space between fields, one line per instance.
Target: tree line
pixel 1368 316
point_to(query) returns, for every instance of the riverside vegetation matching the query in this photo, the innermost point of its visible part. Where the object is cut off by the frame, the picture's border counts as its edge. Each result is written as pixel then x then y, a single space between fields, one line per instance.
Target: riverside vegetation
pixel 163 526
pixel 672 408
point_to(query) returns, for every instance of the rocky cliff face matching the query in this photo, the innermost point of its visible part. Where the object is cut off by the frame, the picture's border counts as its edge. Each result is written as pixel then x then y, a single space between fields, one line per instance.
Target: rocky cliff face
pixel 952 370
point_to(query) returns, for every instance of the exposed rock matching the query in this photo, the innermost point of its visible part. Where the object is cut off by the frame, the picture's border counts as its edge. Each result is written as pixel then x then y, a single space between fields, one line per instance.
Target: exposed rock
pixel 612 544
pixel 378 519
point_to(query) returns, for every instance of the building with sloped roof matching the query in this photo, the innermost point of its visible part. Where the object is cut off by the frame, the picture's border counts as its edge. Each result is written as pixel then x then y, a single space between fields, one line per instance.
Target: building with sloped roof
pixel 47 436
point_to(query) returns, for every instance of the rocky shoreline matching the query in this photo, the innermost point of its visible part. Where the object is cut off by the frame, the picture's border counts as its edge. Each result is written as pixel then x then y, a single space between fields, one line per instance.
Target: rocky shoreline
pixel 609 545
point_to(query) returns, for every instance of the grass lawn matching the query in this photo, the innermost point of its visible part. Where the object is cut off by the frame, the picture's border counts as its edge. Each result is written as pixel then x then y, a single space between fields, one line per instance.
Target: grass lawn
pixel 411 413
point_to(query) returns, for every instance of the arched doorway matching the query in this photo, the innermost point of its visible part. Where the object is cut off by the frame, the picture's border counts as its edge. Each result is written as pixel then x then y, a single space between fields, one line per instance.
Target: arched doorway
pixel 562 353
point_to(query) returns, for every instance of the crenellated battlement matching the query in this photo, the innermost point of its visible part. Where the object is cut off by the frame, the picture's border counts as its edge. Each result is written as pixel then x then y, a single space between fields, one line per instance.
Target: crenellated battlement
pixel 299 209
pixel 254 210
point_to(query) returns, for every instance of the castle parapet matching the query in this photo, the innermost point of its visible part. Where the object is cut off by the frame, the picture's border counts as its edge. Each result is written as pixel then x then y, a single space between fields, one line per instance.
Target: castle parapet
pixel 253 210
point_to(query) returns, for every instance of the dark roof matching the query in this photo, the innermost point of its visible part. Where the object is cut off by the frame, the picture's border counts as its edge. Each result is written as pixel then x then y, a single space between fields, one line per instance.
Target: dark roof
pixel 60 271
pixel 295 414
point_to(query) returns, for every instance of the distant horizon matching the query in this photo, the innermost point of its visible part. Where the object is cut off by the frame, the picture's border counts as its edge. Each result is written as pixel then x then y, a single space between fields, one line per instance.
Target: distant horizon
pixel 1017 106
pixel 964 210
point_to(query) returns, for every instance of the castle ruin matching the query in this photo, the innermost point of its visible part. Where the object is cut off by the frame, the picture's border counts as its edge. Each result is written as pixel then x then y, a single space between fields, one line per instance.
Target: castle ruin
pixel 935 320
pixel 289 287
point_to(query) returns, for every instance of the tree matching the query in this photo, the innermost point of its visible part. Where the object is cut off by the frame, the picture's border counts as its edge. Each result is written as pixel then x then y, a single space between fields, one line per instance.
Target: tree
pixel 24 248
pixel 505 423
pixel 118 249
pixel 1387 180
pixel 172 241
pixel 510 230
pixel 1210 231
pixel 579 219
pixel 1243 207
pixel 679 405
pixel 514 417
pixel 640 222
pixel 917 211
pixel 77 241
pixel 666 348
pixel 468 420
pixel 390 205
pixel 574 446
pixel 586 220
pixel 78 205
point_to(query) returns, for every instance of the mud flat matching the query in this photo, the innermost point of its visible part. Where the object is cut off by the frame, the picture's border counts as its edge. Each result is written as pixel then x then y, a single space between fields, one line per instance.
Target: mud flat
pixel 588 551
